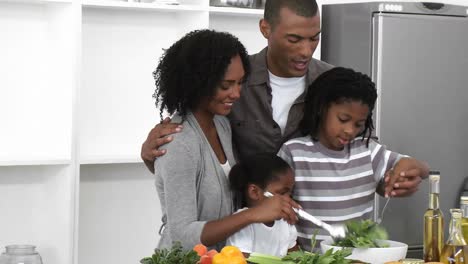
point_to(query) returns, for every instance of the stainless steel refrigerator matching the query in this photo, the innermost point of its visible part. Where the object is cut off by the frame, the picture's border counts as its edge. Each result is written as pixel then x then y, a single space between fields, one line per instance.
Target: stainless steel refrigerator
pixel 417 54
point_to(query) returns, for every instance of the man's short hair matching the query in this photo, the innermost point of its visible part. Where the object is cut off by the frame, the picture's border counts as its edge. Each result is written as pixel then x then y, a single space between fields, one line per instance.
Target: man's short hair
pixel 305 8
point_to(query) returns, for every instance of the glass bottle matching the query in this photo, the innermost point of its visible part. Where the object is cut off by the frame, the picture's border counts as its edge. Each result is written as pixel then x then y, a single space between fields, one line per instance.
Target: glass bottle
pixel 20 254
pixel 433 222
pixel 455 249
pixel 464 222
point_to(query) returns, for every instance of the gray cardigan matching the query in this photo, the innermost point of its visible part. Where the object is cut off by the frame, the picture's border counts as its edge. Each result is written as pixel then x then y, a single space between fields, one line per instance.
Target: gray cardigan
pixel 191 184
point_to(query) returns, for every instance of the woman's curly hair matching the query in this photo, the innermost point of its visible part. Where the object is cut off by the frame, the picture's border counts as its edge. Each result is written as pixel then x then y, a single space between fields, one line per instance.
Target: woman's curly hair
pixel 193 67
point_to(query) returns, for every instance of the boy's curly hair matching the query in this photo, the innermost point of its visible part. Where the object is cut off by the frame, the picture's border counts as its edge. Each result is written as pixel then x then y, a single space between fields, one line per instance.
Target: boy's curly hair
pixel 334 86
pixel 193 67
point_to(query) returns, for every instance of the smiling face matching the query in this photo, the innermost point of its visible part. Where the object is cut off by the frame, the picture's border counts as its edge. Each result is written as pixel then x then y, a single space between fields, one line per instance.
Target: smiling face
pixel 341 123
pixel 291 42
pixel 227 92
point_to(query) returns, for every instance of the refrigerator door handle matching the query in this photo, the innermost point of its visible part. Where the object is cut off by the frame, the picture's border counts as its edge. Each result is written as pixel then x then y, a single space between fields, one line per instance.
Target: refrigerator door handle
pixel 432 6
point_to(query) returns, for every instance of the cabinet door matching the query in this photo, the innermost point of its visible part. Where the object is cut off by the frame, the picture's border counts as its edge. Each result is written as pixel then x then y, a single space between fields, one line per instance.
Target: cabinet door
pixel 421 71
pixel 36 84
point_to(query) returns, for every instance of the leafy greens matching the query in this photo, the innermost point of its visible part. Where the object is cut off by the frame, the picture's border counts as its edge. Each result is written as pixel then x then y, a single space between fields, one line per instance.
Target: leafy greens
pixel 305 257
pixel 363 234
pixel 171 256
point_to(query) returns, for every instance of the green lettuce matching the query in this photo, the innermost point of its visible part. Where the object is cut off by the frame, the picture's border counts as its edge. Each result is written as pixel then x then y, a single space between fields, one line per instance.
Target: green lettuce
pixel 363 234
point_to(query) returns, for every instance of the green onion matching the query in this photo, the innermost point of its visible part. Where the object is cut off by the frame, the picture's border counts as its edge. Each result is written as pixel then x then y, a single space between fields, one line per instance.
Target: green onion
pixel 259 258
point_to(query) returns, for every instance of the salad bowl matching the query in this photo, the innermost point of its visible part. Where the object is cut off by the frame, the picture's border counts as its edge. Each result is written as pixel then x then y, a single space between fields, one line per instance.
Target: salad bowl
pixel 393 251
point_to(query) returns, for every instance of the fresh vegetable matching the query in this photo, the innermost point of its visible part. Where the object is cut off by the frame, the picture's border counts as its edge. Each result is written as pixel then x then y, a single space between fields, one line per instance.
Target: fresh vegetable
pixel 304 257
pixel 200 249
pixel 330 257
pixel 264 259
pixel 229 255
pixel 206 257
pixel 170 256
pixel 363 234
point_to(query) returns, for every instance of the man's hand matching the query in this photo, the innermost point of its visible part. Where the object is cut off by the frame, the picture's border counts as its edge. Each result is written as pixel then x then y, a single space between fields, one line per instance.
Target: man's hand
pixel 404 179
pixel 403 184
pixel 157 137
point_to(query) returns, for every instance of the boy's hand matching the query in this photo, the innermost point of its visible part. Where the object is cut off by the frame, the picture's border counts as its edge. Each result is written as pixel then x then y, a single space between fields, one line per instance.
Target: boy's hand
pixel 157 137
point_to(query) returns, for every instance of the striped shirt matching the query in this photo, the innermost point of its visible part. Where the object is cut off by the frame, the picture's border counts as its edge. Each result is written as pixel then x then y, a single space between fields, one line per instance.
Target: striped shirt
pixel 335 186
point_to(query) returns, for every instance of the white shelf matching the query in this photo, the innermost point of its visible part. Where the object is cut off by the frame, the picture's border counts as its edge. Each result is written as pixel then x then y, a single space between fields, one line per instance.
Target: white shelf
pixel 37 1
pixel 120 51
pixel 76 107
pixel 31 161
pixel 140 6
pixel 110 160
pixel 119 215
pixel 237 11
pixel 246 29
pixel 38 209
pixel 37 51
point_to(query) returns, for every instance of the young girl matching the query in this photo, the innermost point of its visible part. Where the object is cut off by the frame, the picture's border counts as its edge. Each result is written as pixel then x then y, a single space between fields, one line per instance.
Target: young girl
pixel 336 173
pixel 249 180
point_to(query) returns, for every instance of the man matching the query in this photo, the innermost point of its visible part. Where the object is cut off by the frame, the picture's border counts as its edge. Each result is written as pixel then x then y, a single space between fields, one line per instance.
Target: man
pixel 271 103
pixel 270 107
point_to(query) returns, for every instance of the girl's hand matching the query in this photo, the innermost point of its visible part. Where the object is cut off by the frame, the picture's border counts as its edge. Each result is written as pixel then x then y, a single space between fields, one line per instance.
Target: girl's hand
pixel 276 207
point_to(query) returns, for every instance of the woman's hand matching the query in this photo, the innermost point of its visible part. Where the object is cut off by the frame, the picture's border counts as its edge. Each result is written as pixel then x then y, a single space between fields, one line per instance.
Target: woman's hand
pixel 157 137
pixel 274 208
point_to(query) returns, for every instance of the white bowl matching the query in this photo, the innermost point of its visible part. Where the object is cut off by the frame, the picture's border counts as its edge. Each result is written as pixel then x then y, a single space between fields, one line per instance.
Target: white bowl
pixel 394 252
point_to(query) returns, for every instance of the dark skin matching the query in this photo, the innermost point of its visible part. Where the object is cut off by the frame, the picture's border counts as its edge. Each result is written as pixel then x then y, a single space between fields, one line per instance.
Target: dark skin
pixel 283 186
pixel 344 121
pixel 404 179
pixel 157 137
pixel 290 42
pixel 227 92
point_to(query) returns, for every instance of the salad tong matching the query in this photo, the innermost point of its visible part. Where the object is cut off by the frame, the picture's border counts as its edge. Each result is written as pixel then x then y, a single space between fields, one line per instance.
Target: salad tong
pixel 337 232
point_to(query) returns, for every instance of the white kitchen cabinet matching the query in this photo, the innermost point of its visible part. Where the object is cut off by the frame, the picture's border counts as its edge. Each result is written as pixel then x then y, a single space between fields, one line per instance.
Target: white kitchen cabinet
pixel 38 65
pixel 75 106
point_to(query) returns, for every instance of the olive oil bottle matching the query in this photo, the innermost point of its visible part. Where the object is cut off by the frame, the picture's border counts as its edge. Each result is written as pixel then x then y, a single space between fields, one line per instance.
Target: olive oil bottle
pixel 464 221
pixel 433 222
pixel 455 250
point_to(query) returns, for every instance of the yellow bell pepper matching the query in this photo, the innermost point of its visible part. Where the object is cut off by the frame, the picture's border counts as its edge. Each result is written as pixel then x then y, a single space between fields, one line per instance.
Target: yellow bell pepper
pixel 229 255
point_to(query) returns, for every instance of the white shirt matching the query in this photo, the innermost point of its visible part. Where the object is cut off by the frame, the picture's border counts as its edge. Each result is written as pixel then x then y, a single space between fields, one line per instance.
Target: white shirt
pixel 259 238
pixel 284 92
pixel 226 168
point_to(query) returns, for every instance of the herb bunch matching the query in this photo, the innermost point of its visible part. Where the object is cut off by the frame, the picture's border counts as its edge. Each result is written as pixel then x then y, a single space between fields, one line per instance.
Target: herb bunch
pixel 305 257
pixel 329 257
pixel 171 256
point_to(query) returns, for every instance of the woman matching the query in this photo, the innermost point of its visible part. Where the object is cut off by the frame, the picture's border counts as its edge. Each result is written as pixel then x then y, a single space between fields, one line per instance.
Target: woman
pixel 198 79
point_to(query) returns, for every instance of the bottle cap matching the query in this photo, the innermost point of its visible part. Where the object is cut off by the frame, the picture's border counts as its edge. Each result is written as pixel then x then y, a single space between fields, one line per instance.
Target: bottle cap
pixel 434 179
pixel 464 207
pixel 456 212
pixel 463 199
